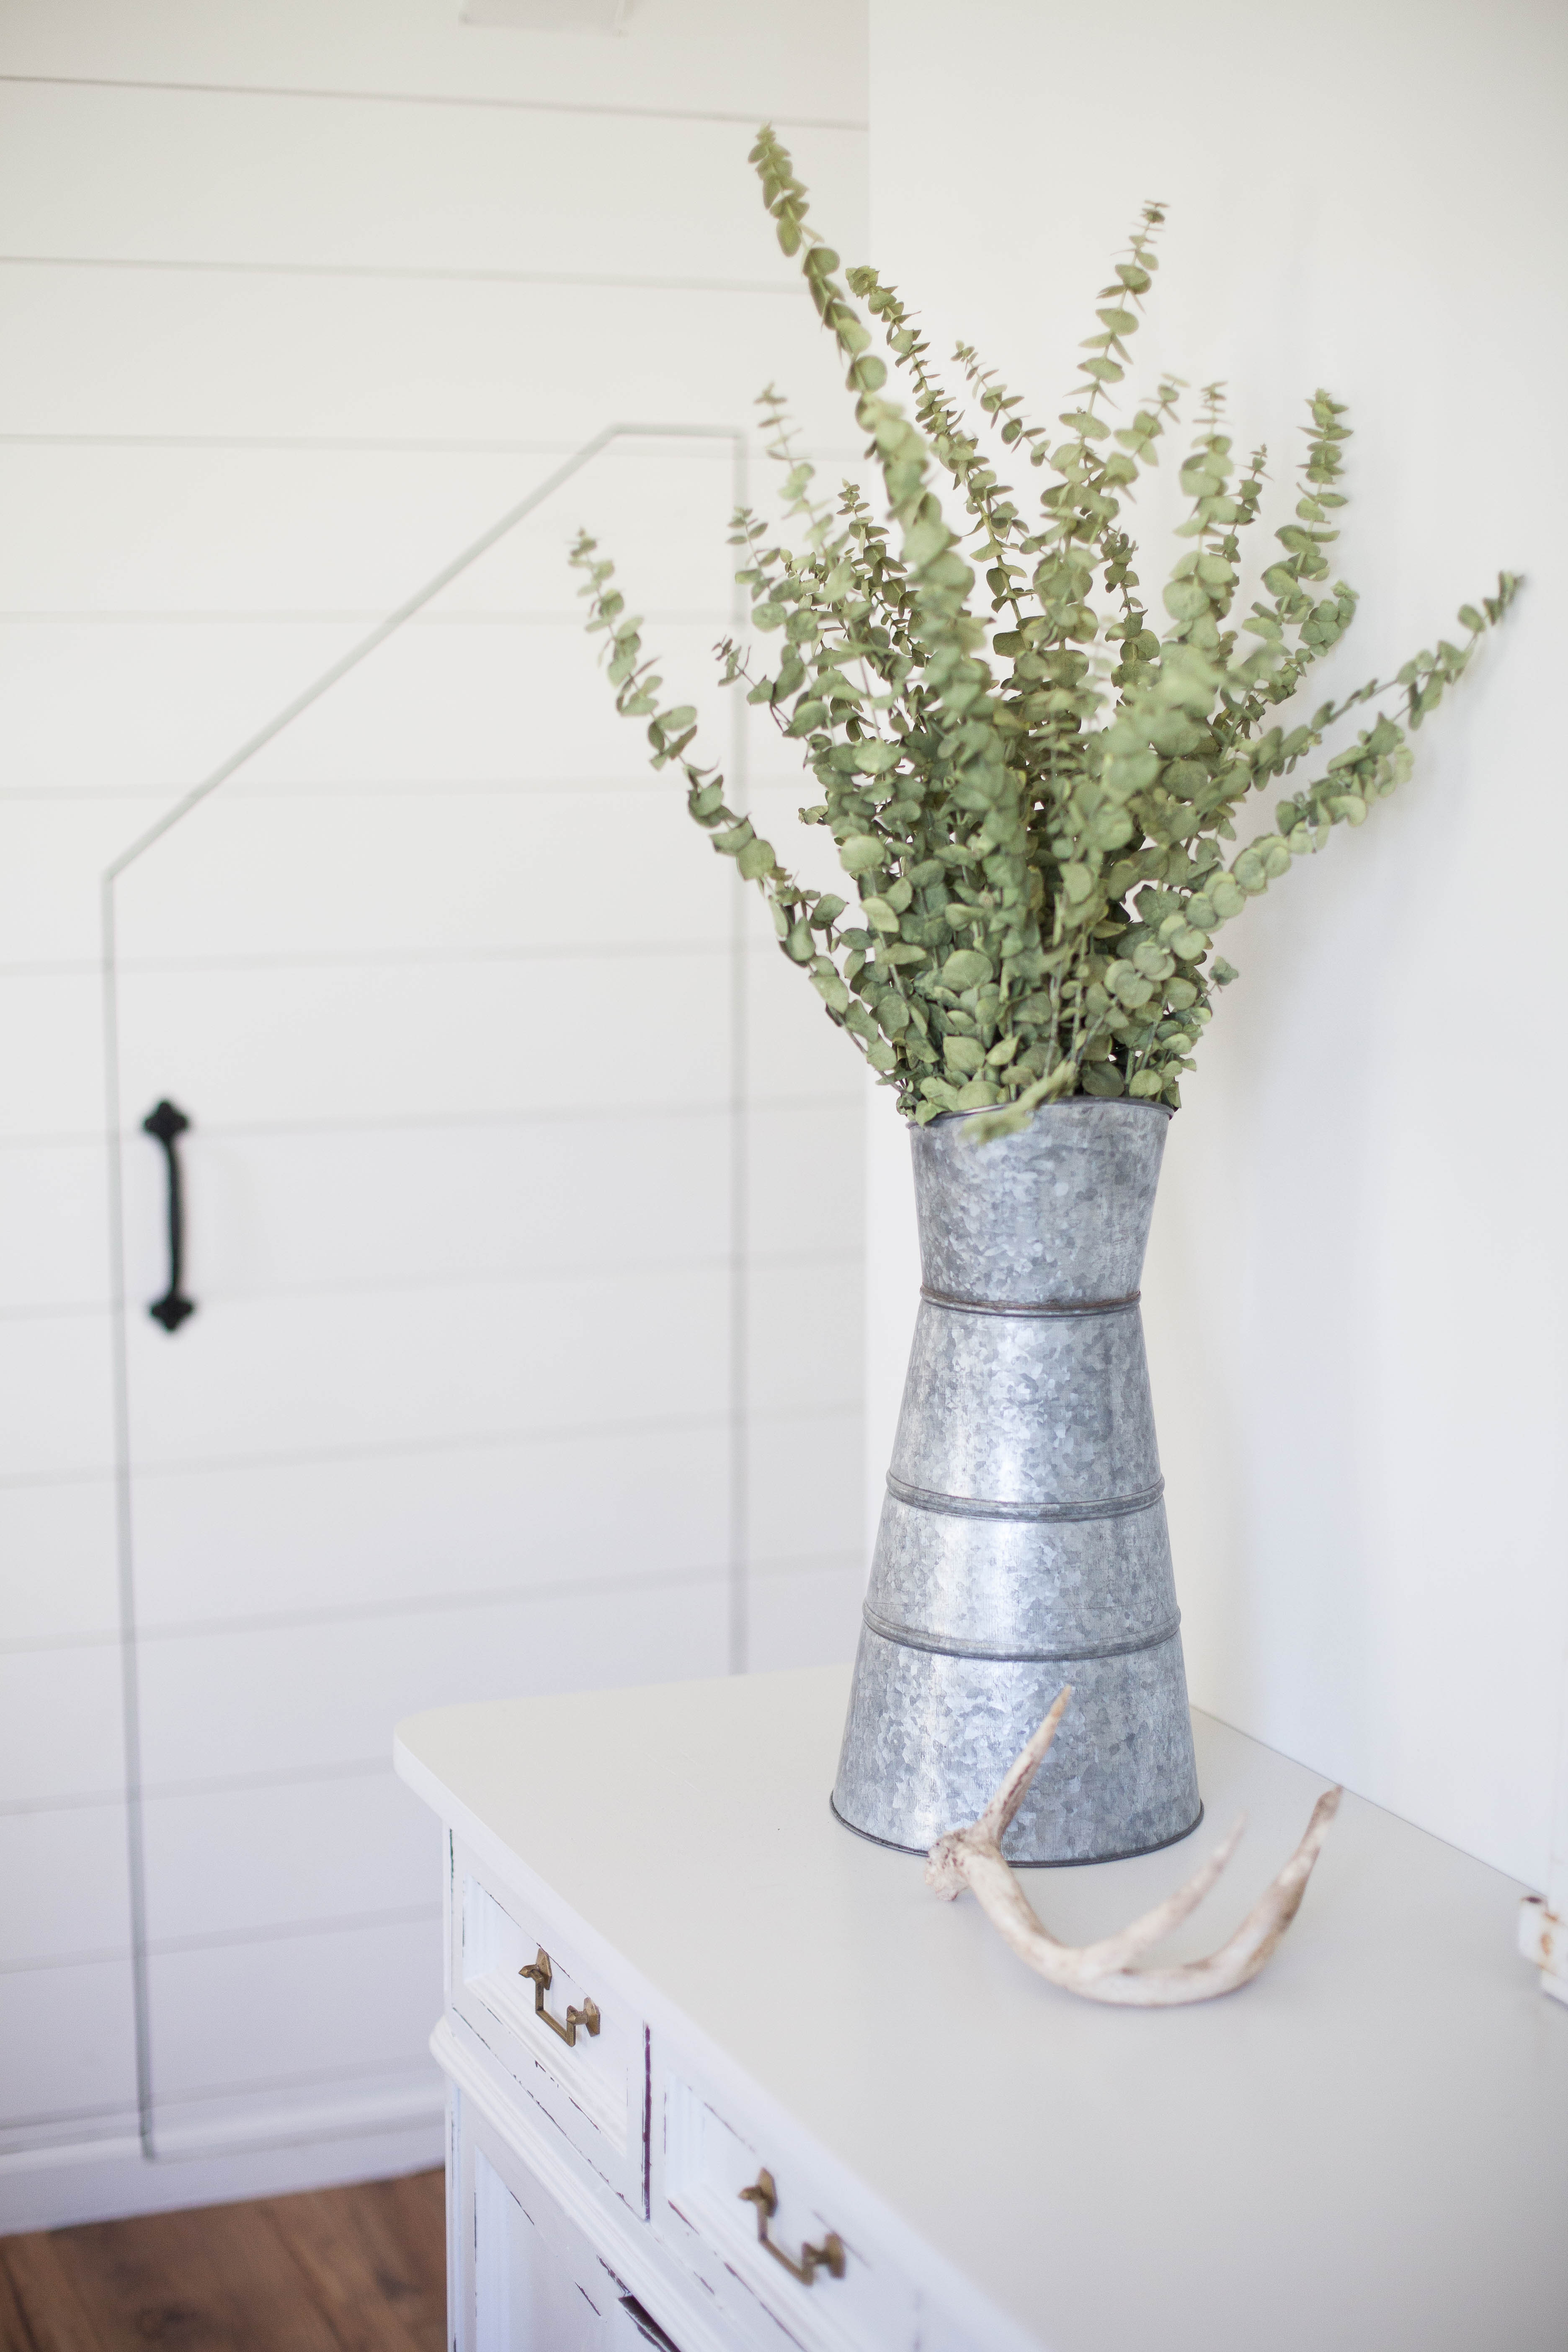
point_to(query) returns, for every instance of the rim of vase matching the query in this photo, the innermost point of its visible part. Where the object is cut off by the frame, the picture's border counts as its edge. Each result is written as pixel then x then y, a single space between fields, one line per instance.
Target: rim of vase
pixel 1066 1102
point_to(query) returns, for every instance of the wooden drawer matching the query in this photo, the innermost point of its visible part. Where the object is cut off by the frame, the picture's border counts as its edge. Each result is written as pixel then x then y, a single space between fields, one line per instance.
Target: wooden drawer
pixel 591 2086
pixel 703 2160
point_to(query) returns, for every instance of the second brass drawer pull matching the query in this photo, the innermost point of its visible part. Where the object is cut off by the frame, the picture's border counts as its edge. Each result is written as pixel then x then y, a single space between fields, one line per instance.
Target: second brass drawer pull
pixel 588 2015
pixel 828 2256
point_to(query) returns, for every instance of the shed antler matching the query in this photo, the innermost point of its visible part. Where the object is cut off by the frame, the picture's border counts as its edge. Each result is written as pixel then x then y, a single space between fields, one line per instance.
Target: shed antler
pixel 1106 1970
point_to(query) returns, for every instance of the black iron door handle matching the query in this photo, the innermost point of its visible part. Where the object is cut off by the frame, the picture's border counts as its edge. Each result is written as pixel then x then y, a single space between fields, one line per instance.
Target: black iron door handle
pixel 164 1122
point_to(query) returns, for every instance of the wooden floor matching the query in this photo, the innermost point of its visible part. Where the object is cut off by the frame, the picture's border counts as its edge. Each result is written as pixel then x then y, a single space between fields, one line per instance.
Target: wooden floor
pixel 340 2270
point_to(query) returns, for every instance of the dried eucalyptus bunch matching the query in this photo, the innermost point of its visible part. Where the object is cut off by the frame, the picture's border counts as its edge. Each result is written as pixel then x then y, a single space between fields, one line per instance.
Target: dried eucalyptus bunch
pixel 1032 789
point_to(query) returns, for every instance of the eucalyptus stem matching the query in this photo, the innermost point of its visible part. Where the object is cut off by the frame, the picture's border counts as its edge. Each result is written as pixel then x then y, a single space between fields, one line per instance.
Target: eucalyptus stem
pixel 1033 830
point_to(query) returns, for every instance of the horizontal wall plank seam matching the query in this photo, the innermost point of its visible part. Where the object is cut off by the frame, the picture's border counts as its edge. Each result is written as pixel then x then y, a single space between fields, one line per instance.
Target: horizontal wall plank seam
pixel 497 1277
pixel 787 290
pixel 578 950
pixel 433 98
pixel 358 445
pixel 435 1121
pixel 357 1613
pixel 289 1931
pixel 425 1604
pixel 38 1965
pixel 411 1915
pixel 85 1802
pixel 356 1767
pixel 401 2063
pixel 116 2116
pixel 481 1439
pixel 423 1122
pixel 376 959
pixel 389 788
pixel 336 960
pixel 224 617
pixel 158 796
pixel 86 1139
pixel 460 1603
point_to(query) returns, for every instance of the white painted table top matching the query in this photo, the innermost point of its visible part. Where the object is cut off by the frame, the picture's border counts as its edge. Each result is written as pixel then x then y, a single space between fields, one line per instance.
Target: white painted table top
pixel 1366 2149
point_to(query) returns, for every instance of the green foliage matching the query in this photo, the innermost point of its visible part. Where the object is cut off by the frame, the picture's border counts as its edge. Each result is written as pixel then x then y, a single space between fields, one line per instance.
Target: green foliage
pixel 1030 791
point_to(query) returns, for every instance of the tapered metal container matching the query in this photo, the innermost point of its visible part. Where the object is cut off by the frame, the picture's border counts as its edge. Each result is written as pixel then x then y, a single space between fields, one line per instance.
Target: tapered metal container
pixel 1023 1541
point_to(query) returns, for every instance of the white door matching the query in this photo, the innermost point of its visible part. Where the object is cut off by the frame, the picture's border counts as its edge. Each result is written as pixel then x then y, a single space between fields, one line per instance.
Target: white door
pixel 458 1006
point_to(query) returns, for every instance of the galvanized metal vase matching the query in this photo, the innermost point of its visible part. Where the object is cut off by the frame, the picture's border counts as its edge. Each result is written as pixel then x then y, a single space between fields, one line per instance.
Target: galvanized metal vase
pixel 1023 1541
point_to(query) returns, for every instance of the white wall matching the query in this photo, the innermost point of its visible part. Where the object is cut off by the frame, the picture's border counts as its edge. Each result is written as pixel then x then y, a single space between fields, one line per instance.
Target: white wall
pixel 298 300
pixel 1355 1293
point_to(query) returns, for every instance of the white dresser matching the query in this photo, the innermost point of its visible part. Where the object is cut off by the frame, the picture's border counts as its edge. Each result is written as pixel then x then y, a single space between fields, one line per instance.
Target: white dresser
pixel 774 2094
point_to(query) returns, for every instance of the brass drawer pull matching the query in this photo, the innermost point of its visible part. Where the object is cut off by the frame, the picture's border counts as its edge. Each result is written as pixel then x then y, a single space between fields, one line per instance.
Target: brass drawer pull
pixel 828 2256
pixel 588 2015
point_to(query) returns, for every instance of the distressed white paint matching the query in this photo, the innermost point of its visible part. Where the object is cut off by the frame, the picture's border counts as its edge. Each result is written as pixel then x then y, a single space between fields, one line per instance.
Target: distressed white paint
pixel 1118 2180
pixel 1543 1919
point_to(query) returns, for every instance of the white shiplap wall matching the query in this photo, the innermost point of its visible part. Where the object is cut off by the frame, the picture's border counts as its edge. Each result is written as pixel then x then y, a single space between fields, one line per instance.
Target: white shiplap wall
pixel 298 302
pixel 1357 1283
